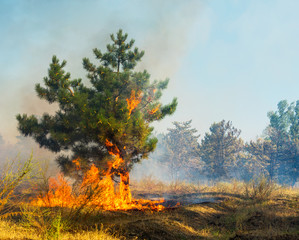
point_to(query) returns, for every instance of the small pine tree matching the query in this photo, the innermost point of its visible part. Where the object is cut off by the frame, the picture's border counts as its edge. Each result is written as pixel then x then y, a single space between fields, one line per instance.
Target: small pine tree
pixel 220 148
pixel 182 151
pixel 118 106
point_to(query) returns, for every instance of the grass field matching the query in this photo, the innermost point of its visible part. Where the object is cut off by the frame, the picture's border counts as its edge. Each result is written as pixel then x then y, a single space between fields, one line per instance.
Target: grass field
pixel 256 210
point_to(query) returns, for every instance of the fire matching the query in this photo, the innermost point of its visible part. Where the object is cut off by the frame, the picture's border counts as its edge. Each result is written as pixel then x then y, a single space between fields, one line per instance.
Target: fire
pixel 77 164
pixel 133 101
pixel 154 110
pixel 98 190
pixel 59 194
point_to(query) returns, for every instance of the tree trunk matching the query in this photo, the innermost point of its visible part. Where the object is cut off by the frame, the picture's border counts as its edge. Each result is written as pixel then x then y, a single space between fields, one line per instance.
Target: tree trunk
pixel 124 187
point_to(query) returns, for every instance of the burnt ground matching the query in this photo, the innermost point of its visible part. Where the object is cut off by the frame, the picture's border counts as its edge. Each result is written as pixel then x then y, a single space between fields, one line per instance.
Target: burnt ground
pixel 222 217
pixel 206 215
pixel 173 200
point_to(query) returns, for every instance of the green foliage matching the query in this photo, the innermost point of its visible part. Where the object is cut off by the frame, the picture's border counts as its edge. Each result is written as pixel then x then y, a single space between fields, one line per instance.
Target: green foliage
pixel 294 119
pixel 283 133
pixel 280 119
pixel 220 148
pixel 182 150
pixel 277 155
pixel 88 115
pixel 48 222
pixel 257 158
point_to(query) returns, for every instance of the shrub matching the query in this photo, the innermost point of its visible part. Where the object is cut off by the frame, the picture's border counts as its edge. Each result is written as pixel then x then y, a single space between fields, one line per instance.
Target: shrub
pixel 259 189
pixel 11 176
pixel 48 222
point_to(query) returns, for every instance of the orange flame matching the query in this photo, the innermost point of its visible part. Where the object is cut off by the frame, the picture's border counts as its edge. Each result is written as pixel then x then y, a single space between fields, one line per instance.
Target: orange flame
pixel 59 194
pixel 133 101
pixel 95 192
pixel 77 164
pixel 154 110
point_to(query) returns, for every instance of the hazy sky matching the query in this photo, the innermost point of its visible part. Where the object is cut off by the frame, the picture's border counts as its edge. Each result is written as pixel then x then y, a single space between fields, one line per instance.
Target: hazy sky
pixel 232 60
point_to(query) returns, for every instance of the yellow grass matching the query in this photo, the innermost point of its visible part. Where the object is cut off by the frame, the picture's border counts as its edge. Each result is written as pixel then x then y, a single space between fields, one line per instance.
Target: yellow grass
pixel 10 230
pixel 251 189
pixel 239 216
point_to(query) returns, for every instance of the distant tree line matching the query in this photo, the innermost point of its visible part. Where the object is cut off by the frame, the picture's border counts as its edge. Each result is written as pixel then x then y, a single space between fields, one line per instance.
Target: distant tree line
pixel 222 154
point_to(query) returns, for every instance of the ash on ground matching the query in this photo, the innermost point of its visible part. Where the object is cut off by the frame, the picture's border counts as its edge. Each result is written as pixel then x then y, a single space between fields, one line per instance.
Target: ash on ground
pixel 175 200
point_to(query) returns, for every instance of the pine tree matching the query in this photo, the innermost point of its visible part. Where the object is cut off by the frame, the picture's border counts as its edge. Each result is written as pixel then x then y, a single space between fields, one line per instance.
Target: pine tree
pixel 259 158
pixel 283 132
pixel 117 107
pixel 182 150
pixel 220 148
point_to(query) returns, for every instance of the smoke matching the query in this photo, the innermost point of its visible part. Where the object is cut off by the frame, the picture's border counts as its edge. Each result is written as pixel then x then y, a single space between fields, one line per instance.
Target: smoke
pixel 151 167
pixel 22 150
pixel 38 30
pixel 172 35
pixel 162 167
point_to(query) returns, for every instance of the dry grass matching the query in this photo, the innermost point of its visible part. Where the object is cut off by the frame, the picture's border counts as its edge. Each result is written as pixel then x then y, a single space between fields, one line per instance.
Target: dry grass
pixel 231 219
pixel 241 215
pixel 258 189
pixel 11 230
pixel 12 174
pixel 237 217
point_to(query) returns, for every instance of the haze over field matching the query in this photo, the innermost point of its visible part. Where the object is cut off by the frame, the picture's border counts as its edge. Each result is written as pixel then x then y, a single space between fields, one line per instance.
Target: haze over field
pixel 234 60
pixel 122 152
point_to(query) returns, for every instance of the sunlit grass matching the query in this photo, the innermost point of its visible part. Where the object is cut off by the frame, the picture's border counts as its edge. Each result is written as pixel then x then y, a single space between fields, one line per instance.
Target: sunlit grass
pixel 257 209
pixel 10 230
pixel 259 188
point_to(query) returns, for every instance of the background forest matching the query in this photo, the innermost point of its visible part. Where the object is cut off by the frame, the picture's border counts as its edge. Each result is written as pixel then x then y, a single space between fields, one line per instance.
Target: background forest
pixel 183 153
pixel 222 155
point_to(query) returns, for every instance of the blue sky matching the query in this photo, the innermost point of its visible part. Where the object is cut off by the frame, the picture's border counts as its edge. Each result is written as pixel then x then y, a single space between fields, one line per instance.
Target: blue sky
pixel 232 60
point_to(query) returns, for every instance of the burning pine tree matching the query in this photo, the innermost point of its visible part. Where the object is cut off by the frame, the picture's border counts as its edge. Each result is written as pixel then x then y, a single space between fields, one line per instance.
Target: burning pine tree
pixel 105 125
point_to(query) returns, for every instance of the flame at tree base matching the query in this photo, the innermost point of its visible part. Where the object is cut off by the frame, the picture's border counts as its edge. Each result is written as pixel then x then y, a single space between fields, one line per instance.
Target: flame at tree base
pixel 96 193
